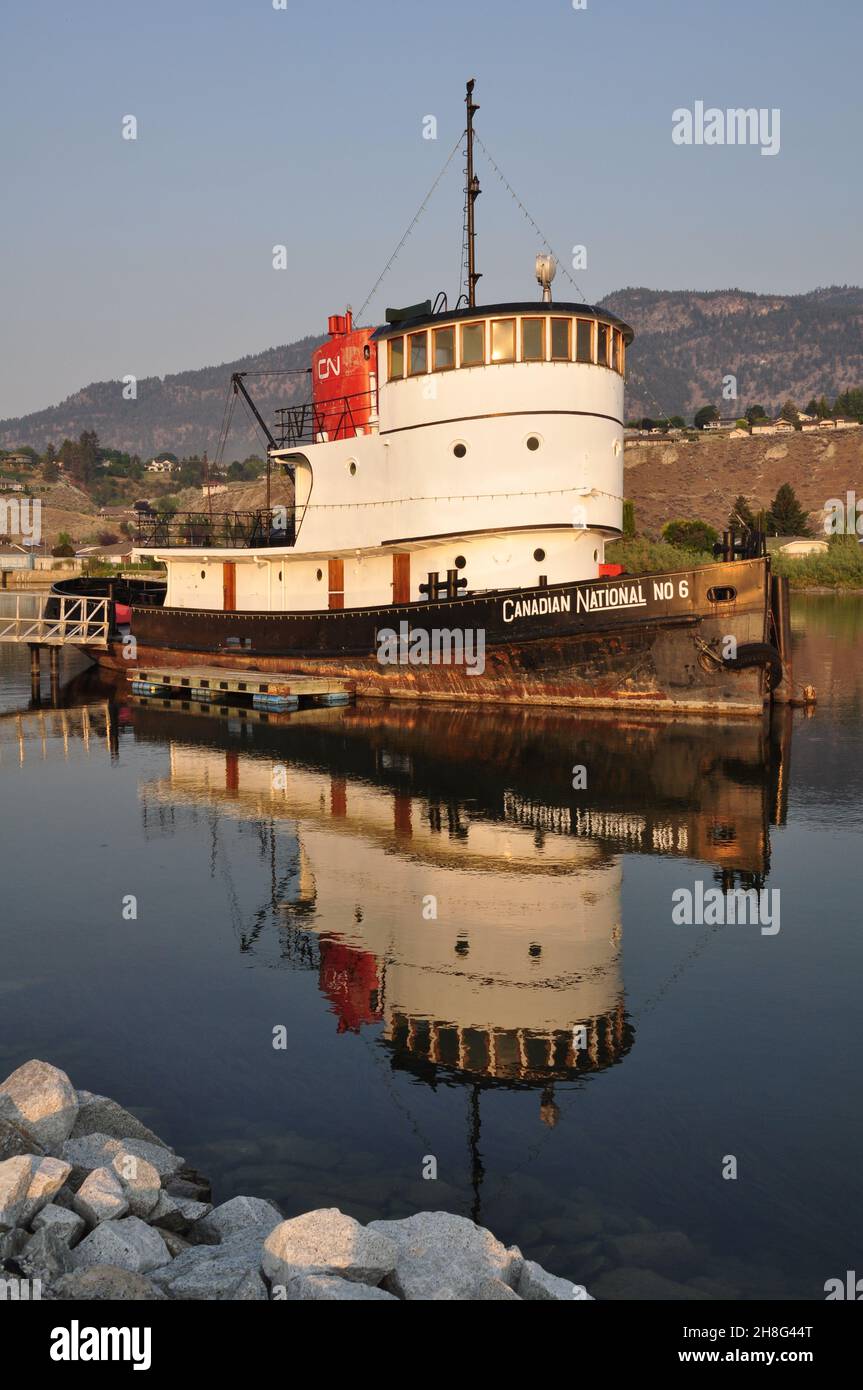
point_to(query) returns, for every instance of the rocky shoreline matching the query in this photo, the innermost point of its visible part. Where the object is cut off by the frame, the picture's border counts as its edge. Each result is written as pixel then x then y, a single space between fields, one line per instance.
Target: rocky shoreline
pixel 95 1206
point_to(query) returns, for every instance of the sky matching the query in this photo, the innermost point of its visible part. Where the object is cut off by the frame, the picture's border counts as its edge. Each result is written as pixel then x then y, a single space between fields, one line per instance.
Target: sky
pixel 304 124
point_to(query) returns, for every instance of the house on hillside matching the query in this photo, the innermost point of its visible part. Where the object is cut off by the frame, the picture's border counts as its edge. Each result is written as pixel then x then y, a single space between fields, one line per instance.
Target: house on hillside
pixel 779 426
pixel 117 554
pixel 160 466
pixel 796 545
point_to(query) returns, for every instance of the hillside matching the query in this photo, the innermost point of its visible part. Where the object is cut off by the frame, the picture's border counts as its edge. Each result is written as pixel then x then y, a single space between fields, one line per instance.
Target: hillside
pixel 702 478
pixel 778 346
pixel 687 341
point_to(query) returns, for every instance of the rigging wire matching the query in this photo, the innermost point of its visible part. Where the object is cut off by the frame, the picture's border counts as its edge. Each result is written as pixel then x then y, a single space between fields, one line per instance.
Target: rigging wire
pixel 416 217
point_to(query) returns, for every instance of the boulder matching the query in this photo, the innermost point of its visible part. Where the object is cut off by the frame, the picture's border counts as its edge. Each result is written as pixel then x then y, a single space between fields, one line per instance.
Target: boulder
pixel 100 1197
pixel 69 1223
pixel 42 1099
pixel 46 1255
pixel 328 1242
pixel 140 1181
pixel 197 1189
pixel 105 1284
pixel 128 1243
pixel 11 1243
pixel 177 1214
pixel 99 1151
pixel 15 1176
pixel 330 1288
pixel 101 1115
pixel 535 1284
pixel 227 1271
pixel 16 1139
pixel 240 1216
pixel 441 1256
pixel 47 1176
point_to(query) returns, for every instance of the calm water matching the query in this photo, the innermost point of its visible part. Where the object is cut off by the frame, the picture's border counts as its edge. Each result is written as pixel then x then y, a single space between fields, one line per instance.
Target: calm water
pixel 579 1066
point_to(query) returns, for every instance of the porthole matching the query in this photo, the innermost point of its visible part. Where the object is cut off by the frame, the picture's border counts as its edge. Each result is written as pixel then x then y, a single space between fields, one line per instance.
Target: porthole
pixel 352 468
pixel 280 576
pixel 539 555
pixel 319 575
pixel 721 595
pixel 595 555
pixel 203 574
pixel 459 450
pixel 532 443
pixel 460 562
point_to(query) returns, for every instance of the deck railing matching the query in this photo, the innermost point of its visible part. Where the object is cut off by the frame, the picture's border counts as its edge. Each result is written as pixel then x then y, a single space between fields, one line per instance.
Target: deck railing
pixel 221 531
pixel 316 422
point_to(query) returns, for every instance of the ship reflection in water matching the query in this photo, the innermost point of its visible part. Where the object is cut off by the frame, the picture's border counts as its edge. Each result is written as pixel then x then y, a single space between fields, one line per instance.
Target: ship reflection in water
pixel 479 935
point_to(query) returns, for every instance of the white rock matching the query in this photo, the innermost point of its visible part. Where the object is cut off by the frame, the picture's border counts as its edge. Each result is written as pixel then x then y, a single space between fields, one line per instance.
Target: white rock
pixel 100 1150
pixel 68 1223
pixel 535 1284
pixel 100 1197
pixel 140 1181
pixel 239 1217
pixel 441 1256
pixel 327 1242
pixel 328 1288
pixel 15 1176
pixel 45 1255
pixel 178 1214
pixel 42 1099
pixel 105 1283
pixel 47 1176
pixel 128 1244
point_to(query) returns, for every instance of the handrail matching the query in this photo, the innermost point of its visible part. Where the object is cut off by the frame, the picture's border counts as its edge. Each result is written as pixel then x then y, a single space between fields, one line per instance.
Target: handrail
pixel 222 531
pixel 59 619
pixel 317 422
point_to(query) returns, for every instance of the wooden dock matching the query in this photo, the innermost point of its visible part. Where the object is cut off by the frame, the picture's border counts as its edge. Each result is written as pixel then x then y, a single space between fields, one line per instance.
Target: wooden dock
pixel 218 685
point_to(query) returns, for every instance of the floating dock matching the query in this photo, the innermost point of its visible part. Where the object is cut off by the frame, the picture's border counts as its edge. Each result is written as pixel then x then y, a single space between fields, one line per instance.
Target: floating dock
pixel 278 692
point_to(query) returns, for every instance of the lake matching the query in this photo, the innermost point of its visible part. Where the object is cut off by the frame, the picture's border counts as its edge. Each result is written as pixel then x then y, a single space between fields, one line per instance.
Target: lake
pixel 390 958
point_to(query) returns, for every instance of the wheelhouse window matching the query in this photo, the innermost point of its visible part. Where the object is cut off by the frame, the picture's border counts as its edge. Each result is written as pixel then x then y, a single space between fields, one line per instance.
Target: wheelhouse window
pixel 444 349
pixel 472 344
pixel 602 344
pixel 584 341
pixel 417 353
pixel 503 340
pixel 532 340
pixel 560 329
pixel 619 351
pixel 396 358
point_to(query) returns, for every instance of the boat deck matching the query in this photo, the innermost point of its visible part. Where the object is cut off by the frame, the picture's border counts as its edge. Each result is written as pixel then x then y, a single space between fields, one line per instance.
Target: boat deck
pixel 266 689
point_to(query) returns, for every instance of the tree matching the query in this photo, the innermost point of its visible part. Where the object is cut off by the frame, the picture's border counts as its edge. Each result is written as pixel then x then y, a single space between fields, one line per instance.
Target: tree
pixel 628 517
pixel 64 546
pixel 741 515
pixel 690 535
pixel 786 517
pixel 677 422
pixel 790 413
pixel 756 412
pixel 107 538
pixel 51 471
pixel 707 415
pixel 850 404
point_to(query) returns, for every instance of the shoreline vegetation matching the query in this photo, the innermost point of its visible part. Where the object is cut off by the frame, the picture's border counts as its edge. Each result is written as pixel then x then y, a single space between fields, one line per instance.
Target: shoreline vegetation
pixel 840 570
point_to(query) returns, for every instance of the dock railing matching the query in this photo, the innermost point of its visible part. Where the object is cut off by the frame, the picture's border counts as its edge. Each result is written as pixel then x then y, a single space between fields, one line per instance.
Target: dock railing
pixel 57 620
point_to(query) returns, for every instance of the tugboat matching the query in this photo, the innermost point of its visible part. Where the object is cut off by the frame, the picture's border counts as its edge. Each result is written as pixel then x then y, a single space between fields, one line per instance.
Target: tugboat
pixel 453 483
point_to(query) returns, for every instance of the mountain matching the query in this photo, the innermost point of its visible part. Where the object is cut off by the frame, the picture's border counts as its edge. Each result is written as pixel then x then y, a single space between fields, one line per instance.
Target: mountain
pixel 777 346
pixel 687 341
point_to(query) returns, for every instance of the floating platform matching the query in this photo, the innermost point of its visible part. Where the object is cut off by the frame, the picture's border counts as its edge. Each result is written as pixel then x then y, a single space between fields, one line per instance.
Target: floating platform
pixel 279 692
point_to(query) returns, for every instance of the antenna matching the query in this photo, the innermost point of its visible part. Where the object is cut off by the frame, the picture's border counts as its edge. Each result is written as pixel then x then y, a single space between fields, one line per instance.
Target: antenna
pixel 472 192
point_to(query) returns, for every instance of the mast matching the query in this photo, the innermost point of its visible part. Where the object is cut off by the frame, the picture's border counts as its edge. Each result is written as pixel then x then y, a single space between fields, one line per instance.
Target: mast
pixel 472 192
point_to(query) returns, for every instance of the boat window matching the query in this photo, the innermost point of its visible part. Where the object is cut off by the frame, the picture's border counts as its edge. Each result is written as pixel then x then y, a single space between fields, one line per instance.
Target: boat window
pixel 560 339
pixel 503 340
pixel 444 349
pixel 602 344
pixel 472 344
pixel 584 343
pixel 532 340
pixel 620 362
pixel 397 358
pixel 418 353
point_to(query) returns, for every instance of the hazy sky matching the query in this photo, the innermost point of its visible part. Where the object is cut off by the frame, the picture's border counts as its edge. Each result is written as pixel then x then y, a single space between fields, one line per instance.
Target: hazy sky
pixel 303 126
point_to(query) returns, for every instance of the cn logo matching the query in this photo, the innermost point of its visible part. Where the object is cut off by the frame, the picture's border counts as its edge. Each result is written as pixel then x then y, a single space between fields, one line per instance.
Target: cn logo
pixel 329 366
